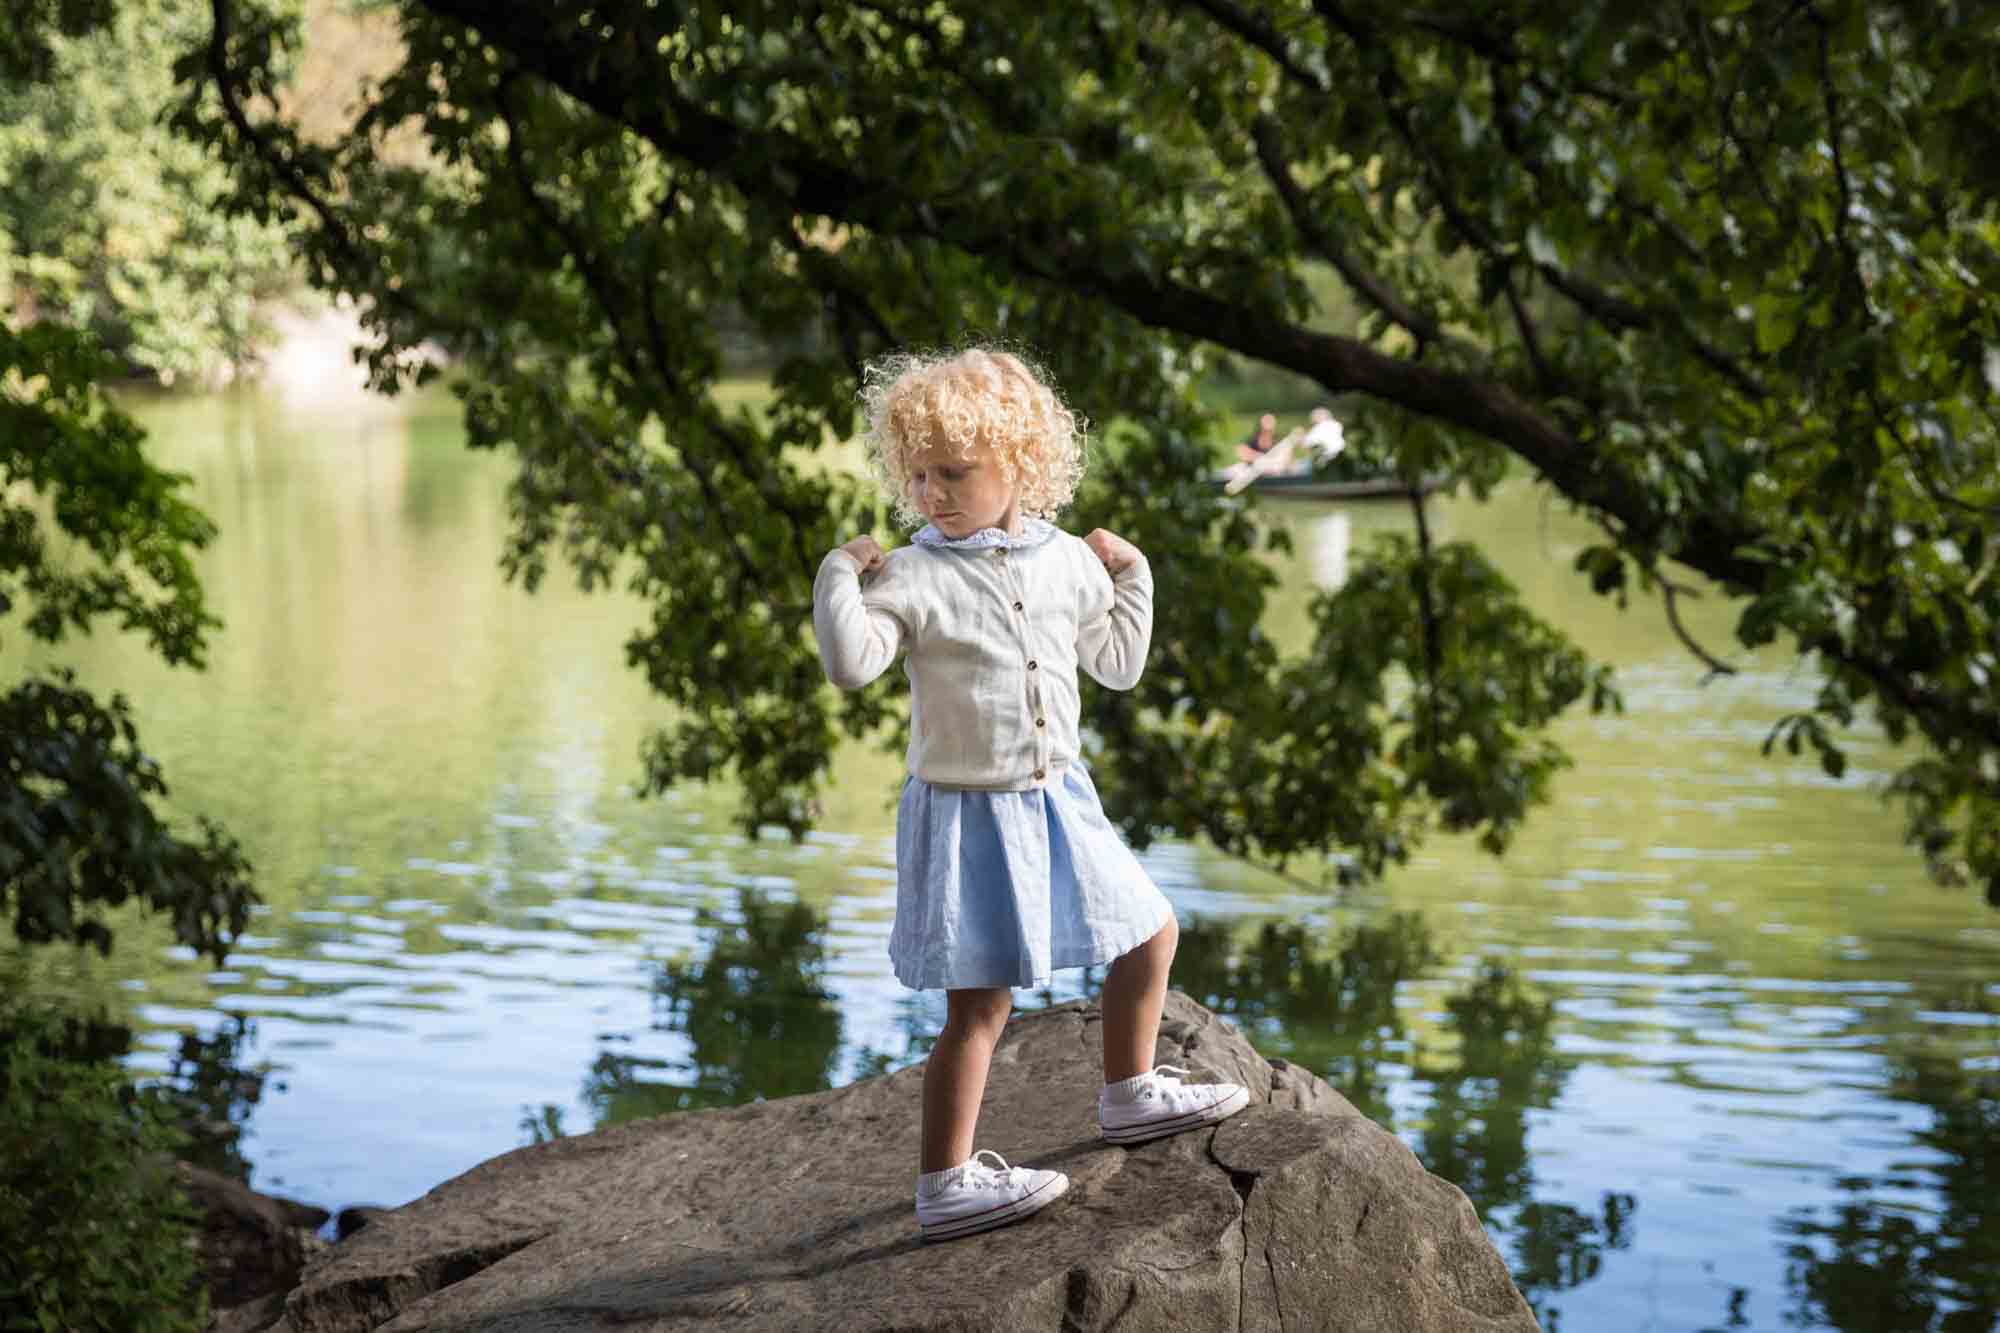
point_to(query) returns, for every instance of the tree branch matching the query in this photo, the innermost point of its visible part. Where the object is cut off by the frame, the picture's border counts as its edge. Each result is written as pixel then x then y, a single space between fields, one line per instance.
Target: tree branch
pixel 1265 38
pixel 1611 311
pixel 1427 619
pixel 1544 373
pixel 1669 592
pixel 1500 49
pixel 1271 155
pixel 843 293
pixel 775 167
pixel 1853 291
pixel 1614 312
pixel 294 180
pixel 690 407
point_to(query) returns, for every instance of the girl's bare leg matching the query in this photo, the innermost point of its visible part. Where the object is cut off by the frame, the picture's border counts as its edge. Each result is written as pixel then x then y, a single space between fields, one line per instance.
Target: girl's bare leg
pixel 1135 990
pixel 955 1074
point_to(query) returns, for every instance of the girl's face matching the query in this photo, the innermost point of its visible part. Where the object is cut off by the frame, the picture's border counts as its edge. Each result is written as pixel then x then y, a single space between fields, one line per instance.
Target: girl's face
pixel 961 494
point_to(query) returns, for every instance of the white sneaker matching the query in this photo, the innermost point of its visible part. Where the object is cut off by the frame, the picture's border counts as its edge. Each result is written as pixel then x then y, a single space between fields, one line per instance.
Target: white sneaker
pixel 1164 1105
pixel 978 1197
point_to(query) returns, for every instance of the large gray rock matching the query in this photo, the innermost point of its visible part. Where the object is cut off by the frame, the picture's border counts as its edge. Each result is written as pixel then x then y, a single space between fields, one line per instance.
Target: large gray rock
pixel 796 1214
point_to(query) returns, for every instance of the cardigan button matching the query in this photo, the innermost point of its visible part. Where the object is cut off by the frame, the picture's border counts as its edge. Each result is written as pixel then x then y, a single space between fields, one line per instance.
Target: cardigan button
pixel 1031 664
pixel 1040 774
pixel 1040 721
pixel 1017 606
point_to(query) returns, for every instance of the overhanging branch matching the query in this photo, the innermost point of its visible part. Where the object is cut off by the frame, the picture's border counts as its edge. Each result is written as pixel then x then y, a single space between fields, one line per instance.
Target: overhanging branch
pixel 1670 592
pixel 776 169
pixel 784 173
pixel 1260 34
pixel 1271 155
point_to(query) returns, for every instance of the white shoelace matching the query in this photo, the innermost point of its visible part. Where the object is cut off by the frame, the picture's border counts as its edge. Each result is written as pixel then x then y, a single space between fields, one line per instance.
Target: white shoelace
pixel 1172 1074
pixel 977 1173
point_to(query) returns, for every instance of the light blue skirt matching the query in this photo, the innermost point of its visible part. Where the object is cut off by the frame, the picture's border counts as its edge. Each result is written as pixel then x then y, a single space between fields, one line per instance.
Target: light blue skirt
pixel 1000 888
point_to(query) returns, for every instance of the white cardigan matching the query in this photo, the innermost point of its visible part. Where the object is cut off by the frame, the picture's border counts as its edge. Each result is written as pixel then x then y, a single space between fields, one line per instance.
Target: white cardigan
pixel 994 639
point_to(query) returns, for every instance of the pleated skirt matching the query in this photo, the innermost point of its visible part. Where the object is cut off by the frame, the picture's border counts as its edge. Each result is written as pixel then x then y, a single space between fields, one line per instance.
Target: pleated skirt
pixel 1001 888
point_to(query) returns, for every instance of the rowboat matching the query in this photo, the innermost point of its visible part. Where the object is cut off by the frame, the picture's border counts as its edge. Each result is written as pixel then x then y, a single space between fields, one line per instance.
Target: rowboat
pixel 1311 463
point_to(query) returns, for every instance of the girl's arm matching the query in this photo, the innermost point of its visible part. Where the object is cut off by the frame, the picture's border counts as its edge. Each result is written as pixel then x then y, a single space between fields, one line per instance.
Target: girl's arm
pixel 859 635
pixel 1115 624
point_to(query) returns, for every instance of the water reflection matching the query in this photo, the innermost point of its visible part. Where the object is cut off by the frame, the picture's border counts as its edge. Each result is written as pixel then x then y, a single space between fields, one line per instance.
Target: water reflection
pixel 209 1089
pixel 754 1008
pixel 1506 1066
pixel 1889 1259
pixel 1332 536
pixel 1475 1135
pixel 213 1089
pixel 1335 1014
pixel 1336 1011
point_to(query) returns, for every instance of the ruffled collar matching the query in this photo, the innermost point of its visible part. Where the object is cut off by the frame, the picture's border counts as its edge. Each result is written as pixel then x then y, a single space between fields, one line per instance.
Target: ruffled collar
pixel 1034 531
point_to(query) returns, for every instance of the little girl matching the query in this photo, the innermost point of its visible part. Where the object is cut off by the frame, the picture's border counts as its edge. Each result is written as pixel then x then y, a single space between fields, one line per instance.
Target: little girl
pixel 1006 867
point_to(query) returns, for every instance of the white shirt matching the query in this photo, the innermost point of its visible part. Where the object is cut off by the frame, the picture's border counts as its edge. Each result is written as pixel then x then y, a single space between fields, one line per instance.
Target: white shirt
pixel 1327 438
pixel 995 628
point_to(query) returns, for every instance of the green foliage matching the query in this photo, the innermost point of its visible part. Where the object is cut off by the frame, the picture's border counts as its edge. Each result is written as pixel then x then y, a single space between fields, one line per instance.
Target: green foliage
pixel 1719 274
pixel 78 835
pixel 123 534
pixel 1394 721
pixel 27 43
pixel 98 1233
pixel 106 218
pixel 90 529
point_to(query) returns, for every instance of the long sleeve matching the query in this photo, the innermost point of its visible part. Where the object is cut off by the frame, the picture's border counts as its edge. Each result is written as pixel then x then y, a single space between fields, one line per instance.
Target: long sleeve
pixel 859 635
pixel 1115 627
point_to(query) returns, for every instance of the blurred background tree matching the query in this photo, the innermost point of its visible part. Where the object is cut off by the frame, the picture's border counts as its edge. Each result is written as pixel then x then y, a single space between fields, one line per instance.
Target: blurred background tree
pixel 90 531
pixel 108 220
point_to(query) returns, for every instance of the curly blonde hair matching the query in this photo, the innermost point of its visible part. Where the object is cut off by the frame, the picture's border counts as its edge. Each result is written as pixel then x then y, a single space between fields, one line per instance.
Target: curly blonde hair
pixel 974 399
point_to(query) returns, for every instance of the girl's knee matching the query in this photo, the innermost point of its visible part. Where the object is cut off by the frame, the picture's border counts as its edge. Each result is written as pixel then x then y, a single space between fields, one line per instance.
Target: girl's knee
pixel 978 1013
pixel 1155 952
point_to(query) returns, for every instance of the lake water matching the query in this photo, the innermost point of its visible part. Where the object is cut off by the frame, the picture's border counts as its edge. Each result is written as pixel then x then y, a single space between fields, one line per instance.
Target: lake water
pixel 1706 1048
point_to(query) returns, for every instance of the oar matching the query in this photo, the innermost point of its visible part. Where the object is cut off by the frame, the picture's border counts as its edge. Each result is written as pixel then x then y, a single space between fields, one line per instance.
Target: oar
pixel 1266 462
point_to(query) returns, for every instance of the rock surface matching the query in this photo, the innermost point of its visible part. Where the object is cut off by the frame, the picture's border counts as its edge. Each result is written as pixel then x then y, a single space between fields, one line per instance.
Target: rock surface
pixel 796 1214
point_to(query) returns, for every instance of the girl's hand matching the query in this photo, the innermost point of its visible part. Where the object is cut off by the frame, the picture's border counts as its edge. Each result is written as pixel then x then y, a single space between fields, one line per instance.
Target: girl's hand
pixel 1117 554
pixel 866 553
